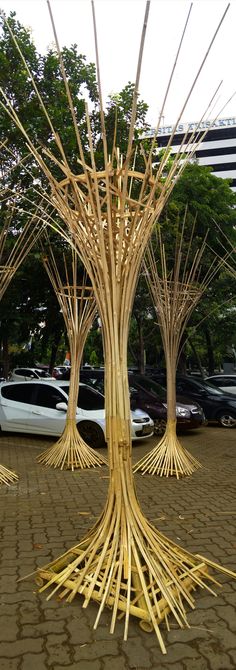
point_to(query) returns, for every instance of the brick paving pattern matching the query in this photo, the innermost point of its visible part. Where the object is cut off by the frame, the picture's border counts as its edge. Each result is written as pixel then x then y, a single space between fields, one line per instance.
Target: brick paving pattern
pixel 48 511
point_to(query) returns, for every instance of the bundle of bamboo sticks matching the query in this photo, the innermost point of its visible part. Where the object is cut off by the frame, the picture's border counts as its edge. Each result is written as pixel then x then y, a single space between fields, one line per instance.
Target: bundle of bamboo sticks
pixel 108 215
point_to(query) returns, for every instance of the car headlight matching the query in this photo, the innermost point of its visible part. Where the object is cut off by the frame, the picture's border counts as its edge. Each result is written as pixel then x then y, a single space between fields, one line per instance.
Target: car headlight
pixel 144 419
pixel 182 411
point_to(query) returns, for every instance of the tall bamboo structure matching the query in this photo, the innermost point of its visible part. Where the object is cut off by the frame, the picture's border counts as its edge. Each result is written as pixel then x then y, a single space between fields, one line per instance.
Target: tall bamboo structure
pixel 124 562
pixel 176 287
pixel 78 308
pixel 11 257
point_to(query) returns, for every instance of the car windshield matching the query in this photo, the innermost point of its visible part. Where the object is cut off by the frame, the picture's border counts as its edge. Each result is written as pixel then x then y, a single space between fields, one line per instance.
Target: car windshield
pixel 88 398
pixel 212 389
pixel 149 385
pixel 206 386
pixel 222 381
pixel 43 374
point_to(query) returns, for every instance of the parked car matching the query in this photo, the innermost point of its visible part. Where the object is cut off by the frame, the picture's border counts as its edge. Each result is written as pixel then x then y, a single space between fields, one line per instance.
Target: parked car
pixel 151 397
pixel 25 374
pixel 226 383
pixel 61 372
pixel 40 407
pixel 217 405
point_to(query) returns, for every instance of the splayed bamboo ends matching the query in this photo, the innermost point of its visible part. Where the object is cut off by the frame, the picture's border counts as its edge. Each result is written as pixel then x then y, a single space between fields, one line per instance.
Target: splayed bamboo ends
pixel 123 563
pixel 7 476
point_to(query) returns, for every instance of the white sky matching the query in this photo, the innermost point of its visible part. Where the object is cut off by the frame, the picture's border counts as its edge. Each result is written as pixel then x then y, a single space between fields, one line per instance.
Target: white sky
pixel 119 24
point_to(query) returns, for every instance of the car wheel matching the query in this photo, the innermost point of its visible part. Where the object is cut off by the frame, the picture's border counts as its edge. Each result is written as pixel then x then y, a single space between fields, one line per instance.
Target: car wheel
pixel 159 426
pixel 91 433
pixel 227 420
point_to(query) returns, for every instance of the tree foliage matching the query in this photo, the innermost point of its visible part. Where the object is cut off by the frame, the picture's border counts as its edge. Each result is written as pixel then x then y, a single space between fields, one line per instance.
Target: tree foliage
pixel 207 197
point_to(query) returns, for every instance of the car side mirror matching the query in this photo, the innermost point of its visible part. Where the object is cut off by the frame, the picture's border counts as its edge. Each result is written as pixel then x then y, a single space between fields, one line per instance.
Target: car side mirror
pixel 61 406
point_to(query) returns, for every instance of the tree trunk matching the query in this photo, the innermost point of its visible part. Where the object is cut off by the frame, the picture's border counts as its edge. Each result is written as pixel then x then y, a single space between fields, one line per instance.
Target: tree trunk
pixel 142 362
pixel 210 352
pixel 54 349
pixel 5 352
pixel 197 358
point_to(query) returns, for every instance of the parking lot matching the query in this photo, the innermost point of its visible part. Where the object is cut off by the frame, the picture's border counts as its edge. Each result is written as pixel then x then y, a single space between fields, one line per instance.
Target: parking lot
pixel 48 511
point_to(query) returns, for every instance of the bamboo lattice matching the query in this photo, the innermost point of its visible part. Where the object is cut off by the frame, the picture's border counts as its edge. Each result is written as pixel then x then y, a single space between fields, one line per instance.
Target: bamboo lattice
pixel 78 307
pixel 124 562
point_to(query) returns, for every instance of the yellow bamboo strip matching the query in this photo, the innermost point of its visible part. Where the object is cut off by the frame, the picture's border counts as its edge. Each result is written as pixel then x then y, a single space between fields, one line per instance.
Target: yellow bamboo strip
pixel 108 219
pixel 7 476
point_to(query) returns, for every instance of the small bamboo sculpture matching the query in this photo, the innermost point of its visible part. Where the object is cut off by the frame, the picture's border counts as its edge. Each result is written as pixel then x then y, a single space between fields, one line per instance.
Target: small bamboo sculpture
pixel 11 257
pixel 124 562
pixel 175 292
pixel 78 308
pixel 24 236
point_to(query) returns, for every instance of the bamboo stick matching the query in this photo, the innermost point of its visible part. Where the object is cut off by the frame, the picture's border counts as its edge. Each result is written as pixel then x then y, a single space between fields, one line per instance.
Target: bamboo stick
pixel 7 476
pixel 107 216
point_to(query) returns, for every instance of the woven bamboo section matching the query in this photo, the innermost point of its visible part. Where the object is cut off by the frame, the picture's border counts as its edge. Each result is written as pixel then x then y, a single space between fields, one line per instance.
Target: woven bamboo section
pixel 176 287
pixel 78 307
pixel 108 214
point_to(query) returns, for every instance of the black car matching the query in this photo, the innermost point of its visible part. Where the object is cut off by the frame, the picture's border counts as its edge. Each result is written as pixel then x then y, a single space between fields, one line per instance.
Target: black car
pixel 146 394
pixel 217 405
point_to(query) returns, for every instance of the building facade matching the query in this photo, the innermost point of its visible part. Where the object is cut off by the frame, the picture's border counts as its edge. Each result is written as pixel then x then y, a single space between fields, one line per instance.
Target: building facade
pixel 217 150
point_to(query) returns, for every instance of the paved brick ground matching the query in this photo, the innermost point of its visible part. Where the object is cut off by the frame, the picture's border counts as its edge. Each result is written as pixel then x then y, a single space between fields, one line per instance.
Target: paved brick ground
pixel 48 511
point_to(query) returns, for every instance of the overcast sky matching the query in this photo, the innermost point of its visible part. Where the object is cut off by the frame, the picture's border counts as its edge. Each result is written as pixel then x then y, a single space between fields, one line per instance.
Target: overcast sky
pixel 119 24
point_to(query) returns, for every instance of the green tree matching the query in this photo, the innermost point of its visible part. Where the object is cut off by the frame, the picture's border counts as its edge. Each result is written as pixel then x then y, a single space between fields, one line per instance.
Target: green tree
pixel 213 203
pixel 31 323
pixel 17 85
pixel 209 198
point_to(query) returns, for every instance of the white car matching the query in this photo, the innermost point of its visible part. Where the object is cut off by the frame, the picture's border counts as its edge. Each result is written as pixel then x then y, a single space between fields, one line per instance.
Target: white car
pixel 25 374
pixel 41 406
pixel 226 383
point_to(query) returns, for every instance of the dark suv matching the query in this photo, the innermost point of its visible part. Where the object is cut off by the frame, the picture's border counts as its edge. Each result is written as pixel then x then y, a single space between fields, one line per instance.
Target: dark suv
pixel 217 405
pixel 146 394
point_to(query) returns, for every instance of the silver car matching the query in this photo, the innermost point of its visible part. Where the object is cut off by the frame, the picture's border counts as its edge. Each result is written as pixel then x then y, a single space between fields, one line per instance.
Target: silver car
pixel 226 383
pixel 26 374
pixel 41 406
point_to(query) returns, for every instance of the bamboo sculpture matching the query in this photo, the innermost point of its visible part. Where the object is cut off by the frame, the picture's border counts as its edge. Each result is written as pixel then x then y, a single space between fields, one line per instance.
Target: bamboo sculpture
pixel 13 250
pixel 123 563
pixel 16 241
pixel 175 287
pixel 78 308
